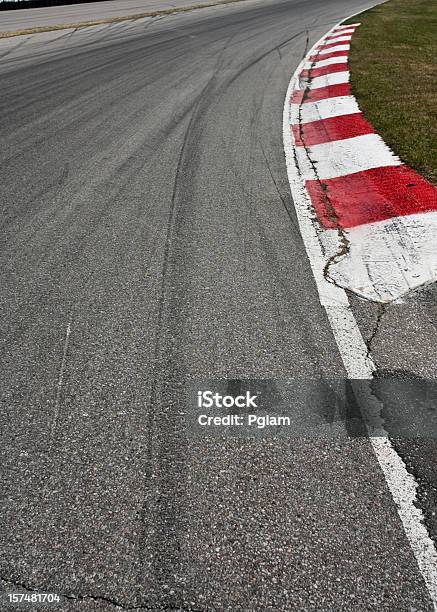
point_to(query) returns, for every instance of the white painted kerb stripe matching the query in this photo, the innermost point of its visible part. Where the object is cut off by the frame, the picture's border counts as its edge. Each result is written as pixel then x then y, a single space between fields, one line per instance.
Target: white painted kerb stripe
pixel 343 27
pixel 338 39
pixel 323 109
pixel 333 78
pixel 329 61
pixel 341 32
pixel 388 259
pixel 342 157
pixel 333 49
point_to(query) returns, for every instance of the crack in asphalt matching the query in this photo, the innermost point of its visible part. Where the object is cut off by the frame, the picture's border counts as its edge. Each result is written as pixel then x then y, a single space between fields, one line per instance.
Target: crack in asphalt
pixel 344 242
pixel 382 309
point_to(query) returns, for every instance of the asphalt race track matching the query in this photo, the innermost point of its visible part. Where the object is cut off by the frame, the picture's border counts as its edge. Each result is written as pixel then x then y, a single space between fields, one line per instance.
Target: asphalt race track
pixel 149 242
pixel 21 19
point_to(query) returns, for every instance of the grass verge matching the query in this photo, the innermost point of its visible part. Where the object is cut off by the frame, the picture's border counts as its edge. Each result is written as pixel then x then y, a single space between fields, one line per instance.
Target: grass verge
pixel 394 78
pixel 87 24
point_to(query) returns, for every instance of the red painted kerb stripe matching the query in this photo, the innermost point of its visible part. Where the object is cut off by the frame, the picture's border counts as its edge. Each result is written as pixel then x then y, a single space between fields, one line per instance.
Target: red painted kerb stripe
pixel 313 95
pixel 370 196
pixel 333 128
pixel 317 56
pixel 316 72
pixel 335 44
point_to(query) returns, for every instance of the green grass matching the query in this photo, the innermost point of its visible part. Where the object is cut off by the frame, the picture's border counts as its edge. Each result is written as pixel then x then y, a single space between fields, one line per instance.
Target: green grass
pixel 393 63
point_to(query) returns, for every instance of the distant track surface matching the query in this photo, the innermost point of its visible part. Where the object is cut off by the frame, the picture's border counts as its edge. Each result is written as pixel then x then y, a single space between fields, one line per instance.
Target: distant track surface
pixel 149 238
pixel 21 19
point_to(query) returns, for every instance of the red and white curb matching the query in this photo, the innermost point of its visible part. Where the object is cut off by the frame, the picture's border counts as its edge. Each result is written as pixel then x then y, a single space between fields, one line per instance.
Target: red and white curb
pixel 369 225
pixel 376 218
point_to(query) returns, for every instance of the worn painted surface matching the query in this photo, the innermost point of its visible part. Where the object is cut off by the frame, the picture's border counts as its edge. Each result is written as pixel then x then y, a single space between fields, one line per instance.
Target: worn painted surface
pixel 376 218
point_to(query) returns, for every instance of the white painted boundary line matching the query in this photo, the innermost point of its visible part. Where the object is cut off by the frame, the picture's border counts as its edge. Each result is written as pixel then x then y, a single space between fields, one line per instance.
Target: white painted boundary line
pixel 357 362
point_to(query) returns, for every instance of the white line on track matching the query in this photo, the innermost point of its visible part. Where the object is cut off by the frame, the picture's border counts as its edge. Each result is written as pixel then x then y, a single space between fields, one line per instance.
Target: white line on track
pixel 357 361
pixel 61 376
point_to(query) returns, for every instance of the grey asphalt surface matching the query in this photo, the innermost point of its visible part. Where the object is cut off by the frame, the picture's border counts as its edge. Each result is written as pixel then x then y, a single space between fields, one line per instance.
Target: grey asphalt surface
pixel 149 239
pixel 22 19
